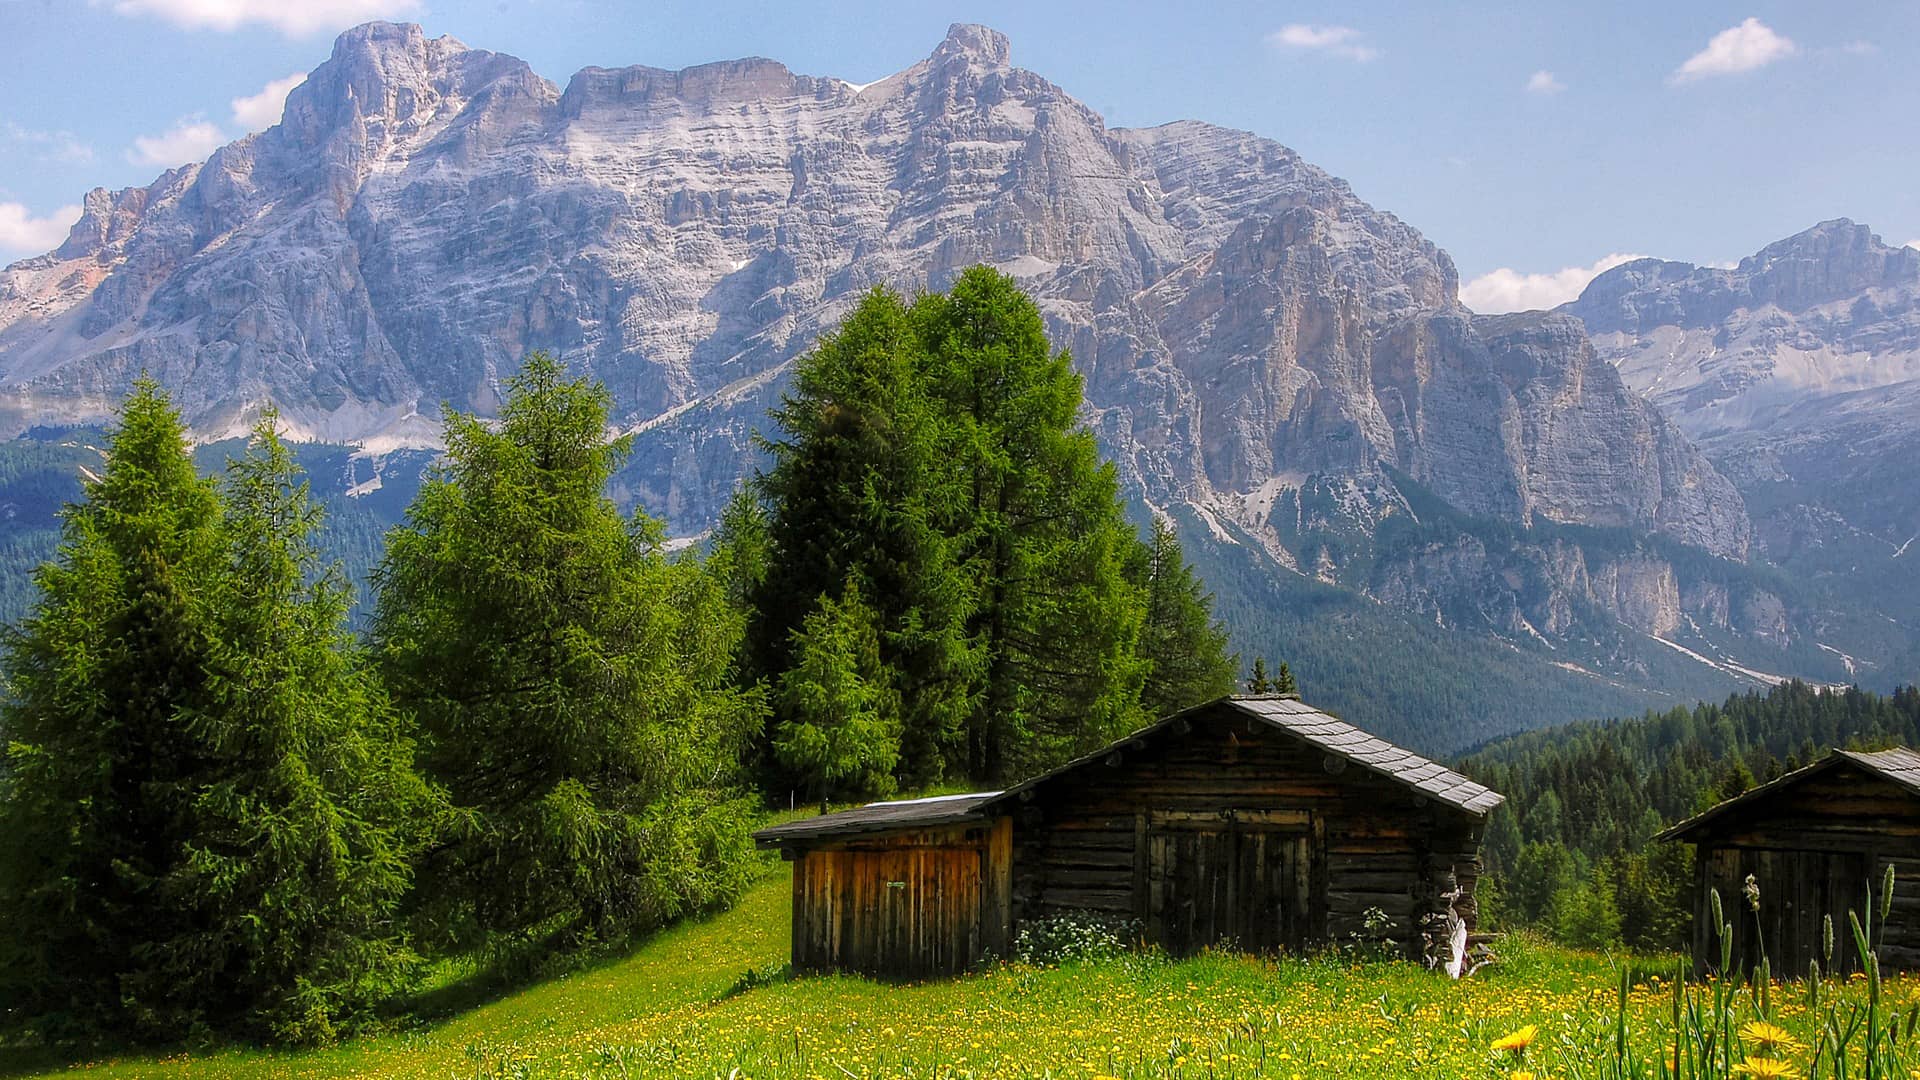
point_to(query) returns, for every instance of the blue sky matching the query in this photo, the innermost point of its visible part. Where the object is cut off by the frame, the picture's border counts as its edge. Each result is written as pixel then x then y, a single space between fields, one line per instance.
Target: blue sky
pixel 1533 141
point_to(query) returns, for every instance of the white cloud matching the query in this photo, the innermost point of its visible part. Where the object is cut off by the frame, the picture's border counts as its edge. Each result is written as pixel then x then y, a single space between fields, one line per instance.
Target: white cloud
pixel 258 112
pixel 1752 44
pixel 293 18
pixel 1506 290
pixel 188 140
pixel 63 146
pixel 1341 41
pixel 23 234
pixel 1543 82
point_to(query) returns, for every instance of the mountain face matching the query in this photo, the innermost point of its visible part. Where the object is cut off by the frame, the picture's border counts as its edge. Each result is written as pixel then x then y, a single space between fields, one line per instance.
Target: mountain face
pixel 1275 363
pixel 1798 373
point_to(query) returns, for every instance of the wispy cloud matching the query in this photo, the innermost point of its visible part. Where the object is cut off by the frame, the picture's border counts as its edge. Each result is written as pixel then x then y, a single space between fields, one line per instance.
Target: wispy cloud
pixel 258 112
pixel 1341 41
pixel 1753 44
pixel 1543 82
pixel 62 146
pixel 294 18
pixel 189 140
pixel 21 233
pixel 1505 290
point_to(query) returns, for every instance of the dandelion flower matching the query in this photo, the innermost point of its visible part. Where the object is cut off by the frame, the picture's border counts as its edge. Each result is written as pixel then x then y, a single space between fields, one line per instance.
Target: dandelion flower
pixel 1766 1069
pixel 1767 1036
pixel 1518 1041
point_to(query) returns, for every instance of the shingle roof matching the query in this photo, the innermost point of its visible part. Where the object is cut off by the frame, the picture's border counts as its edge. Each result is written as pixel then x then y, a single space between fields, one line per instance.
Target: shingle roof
pixel 1900 765
pixel 1283 712
pixel 880 817
pixel 1343 740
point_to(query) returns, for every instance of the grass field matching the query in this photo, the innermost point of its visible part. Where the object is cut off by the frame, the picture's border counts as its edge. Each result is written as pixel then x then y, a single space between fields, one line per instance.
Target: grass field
pixel 678 1007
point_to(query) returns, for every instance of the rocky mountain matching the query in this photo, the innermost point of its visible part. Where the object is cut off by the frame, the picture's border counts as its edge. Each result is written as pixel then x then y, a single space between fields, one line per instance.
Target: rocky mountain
pixel 1277 364
pixel 1798 372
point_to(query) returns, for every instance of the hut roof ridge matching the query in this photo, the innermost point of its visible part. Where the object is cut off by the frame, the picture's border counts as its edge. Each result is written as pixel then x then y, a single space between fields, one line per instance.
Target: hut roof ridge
pixel 1900 764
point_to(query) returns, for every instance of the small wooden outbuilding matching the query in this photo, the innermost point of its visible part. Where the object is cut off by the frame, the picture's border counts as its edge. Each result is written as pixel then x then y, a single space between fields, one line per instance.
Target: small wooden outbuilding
pixel 1815 841
pixel 1258 822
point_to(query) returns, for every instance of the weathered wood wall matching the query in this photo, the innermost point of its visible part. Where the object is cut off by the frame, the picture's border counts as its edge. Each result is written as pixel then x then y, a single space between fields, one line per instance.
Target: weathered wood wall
pixel 1814 848
pixel 909 905
pixel 1233 827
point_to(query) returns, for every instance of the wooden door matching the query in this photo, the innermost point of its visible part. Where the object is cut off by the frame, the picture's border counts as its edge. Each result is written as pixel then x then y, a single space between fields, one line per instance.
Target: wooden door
pixel 1229 879
pixel 1798 891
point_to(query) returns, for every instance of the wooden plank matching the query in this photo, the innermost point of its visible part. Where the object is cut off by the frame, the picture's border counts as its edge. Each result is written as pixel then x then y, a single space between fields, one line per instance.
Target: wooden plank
pixel 1141 904
pixel 996 910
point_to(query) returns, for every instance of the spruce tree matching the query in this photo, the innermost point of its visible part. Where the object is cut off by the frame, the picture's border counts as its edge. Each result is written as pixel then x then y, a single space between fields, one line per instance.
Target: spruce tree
pixel 574 685
pixel 1283 683
pixel 842 716
pixel 101 766
pixel 1258 683
pixel 211 811
pixel 1187 649
pixel 858 492
pixel 303 829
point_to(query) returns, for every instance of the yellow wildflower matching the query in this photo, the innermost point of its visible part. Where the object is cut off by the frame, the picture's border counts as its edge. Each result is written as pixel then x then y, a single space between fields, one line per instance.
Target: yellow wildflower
pixel 1766 1068
pixel 1518 1041
pixel 1767 1036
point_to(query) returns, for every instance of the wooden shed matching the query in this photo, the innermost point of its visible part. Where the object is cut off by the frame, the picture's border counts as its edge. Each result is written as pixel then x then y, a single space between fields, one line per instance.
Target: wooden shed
pixel 1815 841
pixel 1259 822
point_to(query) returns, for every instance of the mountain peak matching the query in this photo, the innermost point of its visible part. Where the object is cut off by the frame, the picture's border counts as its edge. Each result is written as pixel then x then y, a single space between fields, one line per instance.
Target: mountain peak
pixel 979 45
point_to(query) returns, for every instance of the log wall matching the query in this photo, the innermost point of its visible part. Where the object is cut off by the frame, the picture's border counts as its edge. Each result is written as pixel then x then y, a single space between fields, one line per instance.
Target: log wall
pixel 1101 838
pixel 1814 848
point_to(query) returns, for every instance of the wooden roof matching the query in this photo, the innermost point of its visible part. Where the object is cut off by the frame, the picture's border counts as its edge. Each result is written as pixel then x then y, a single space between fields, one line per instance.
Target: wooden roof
pixel 1286 712
pixel 880 817
pixel 1899 765
pixel 1281 712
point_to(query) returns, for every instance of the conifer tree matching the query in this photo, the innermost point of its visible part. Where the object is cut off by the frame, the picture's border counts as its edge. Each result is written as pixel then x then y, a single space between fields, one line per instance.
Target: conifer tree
pixel 842 716
pixel 210 811
pixel 1187 648
pixel 857 493
pixel 101 768
pixel 304 827
pixel 1258 682
pixel 1041 530
pixel 574 685
pixel 1283 683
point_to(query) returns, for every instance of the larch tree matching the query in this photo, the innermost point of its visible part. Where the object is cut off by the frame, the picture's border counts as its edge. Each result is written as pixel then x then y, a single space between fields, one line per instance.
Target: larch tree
pixel 1042 533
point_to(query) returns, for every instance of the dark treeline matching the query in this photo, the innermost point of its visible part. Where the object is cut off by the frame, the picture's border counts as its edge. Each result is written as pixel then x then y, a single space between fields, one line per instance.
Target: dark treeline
pixel 224 814
pixel 1572 849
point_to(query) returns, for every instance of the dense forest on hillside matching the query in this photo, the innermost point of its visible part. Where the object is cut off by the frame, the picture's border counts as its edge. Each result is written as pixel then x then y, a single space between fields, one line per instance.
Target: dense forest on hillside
pixel 1572 848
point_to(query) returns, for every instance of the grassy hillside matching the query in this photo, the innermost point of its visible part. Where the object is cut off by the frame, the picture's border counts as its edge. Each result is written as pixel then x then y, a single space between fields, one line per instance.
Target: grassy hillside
pixel 678 1007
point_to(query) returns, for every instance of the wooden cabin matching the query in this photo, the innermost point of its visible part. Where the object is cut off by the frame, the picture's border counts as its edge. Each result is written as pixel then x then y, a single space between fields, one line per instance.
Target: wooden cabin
pixel 1814 841
pixel 1258 822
